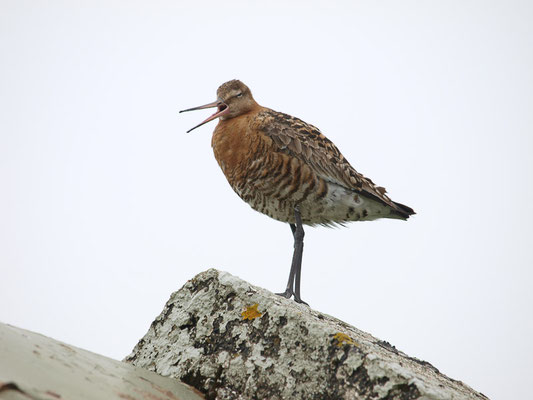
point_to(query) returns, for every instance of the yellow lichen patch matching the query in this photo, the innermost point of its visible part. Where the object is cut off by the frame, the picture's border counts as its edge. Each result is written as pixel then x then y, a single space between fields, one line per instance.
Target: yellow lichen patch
pixel 343 339
pixel 251 312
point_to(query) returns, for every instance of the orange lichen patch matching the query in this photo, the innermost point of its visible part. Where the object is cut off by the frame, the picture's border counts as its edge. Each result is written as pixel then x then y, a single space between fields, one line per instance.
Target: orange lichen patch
pixel 343 339
pixel 251 312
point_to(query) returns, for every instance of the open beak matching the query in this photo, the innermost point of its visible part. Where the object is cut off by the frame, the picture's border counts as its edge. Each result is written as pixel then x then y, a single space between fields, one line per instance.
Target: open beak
pixel 222 109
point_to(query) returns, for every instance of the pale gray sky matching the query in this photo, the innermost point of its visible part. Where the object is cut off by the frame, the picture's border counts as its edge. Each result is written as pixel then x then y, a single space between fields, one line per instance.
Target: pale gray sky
pixel 107 206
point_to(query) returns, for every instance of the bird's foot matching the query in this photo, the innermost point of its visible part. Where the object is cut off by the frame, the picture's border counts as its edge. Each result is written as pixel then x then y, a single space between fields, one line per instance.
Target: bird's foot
pixel 300 301
pixel 288 294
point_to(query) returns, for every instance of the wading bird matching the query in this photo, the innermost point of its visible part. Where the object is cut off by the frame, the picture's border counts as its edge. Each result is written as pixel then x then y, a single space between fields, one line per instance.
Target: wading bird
pixel 287 169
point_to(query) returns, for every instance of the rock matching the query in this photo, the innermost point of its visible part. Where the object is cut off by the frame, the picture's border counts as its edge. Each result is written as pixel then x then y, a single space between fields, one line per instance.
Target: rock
pixel 231 340
pixel 36 367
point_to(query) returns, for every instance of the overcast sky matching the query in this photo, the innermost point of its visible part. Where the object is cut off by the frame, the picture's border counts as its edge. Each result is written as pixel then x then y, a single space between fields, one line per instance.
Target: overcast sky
pixel 107 205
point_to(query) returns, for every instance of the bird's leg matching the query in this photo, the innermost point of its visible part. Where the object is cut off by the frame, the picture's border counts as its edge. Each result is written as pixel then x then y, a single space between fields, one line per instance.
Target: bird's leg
pixel 293 285
pixel 289 291
pixel 298 234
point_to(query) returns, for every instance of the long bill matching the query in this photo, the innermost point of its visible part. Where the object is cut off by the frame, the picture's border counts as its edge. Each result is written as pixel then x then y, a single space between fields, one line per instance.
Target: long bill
pixel 222 109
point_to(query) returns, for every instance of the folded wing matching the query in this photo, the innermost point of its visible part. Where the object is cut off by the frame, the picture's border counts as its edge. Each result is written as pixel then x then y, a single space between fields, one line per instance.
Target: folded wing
pixel 305 142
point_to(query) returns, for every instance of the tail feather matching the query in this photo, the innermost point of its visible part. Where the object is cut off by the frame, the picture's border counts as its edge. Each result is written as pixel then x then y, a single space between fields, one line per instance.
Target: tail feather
pixel 403 210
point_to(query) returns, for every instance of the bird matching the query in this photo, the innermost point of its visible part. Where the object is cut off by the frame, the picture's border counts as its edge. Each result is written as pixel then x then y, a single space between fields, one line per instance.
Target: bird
pixel 287 169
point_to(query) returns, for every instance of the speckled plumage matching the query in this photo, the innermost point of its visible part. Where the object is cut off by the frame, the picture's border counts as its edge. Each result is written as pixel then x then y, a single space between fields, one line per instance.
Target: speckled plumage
pixel 275 162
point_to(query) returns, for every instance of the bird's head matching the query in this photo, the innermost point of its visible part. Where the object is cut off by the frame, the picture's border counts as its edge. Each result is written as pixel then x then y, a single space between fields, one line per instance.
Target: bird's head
pixel 234 98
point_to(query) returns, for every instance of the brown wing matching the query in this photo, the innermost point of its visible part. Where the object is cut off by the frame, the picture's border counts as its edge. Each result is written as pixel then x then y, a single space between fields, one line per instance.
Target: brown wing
pixel 305 142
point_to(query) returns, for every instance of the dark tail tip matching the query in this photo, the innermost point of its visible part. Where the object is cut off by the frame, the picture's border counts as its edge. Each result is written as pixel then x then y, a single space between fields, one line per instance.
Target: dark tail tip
pixel 404 210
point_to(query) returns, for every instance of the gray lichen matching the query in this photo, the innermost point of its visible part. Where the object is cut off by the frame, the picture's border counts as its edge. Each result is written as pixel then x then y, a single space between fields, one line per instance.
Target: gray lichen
pixel 232 340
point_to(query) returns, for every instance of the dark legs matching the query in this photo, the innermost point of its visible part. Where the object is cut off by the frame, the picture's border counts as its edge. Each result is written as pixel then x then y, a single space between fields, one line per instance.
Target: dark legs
pixel 293 285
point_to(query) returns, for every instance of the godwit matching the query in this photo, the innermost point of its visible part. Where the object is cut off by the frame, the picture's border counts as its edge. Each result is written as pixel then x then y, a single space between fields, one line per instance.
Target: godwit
pixel 287 169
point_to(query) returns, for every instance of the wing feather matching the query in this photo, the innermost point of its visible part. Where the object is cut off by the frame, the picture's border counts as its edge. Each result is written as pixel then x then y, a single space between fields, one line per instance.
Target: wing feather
pixel 305 142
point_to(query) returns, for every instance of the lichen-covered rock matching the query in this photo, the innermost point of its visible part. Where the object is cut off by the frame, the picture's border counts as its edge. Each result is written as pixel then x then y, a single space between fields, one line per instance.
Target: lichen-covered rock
pixel 232 340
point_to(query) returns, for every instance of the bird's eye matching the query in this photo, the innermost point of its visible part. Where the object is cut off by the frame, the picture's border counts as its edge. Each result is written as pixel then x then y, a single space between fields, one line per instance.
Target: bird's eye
pixel 239 94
